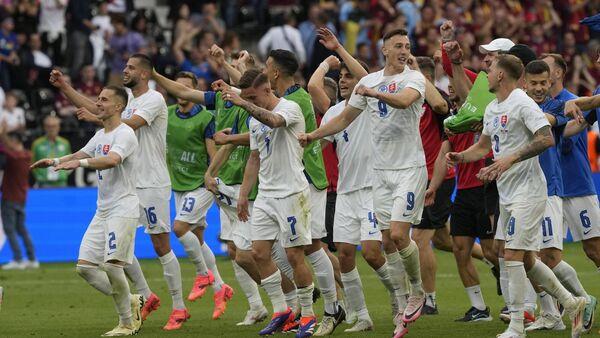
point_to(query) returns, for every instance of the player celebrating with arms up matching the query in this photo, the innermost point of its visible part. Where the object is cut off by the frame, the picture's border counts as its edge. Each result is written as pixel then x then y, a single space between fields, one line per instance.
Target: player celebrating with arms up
pixel 109 239
pixel 393 97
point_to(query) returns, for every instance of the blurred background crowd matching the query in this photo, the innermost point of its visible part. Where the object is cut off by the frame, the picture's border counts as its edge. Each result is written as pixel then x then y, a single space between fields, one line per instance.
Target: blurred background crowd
pixel 91 41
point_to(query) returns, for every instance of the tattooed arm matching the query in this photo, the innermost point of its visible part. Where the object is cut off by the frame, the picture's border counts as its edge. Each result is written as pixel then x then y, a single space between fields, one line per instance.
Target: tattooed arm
pixel 265 116
pixel 542 140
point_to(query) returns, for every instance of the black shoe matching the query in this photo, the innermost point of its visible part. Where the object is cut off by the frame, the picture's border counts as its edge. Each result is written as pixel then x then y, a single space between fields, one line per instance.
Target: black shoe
pixel 331 321
pixel 476 315
pixel 316 294
pixel 429 310
pixel 496 274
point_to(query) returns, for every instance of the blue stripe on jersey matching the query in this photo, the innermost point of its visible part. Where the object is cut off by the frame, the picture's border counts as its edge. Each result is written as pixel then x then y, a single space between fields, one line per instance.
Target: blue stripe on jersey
pixel 549 159
pixel 574 161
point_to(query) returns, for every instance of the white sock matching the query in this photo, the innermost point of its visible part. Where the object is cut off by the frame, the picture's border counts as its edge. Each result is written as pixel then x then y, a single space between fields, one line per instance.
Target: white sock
pixel 430 299
pixel 410 257
pixel 272 286
pixel 326 279
pixel 476 297
pixel 530 299
pixel 280 258
pixel 355 297
pixel 504 281
pixel 211 263
pixel 542 274
pixel 384 275
pixel 568 277
pixel 172 274
pixel 135 274
pixel 291 299
pixel 305 298
pixel 516 284
pixel 547 304
pixel 95 277
pixel 120 292
pixel 399 278
pixel 248 286
pixel 193 249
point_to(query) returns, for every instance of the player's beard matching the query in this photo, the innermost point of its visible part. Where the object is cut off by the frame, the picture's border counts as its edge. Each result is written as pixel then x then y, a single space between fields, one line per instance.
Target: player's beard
pixel 131 83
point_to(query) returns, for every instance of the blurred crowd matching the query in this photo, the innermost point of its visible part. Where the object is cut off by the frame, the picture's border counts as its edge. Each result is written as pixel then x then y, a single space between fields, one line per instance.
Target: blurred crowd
pixel 91 40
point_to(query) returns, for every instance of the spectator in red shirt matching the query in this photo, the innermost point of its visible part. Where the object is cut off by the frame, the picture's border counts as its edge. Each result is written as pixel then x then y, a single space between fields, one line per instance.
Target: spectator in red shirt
pixel 14 194
pixel 88 85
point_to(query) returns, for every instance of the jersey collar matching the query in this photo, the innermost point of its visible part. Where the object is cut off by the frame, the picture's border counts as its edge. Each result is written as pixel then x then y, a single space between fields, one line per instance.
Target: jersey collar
pixel 196 109
pixel 291 89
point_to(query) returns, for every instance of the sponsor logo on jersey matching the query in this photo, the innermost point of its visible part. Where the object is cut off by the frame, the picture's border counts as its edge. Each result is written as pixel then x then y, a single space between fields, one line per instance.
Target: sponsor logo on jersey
pixel 383 88
pixel 105 149
pixel 503 120
pixel 496 119
pixel 130 112
pixel 392 87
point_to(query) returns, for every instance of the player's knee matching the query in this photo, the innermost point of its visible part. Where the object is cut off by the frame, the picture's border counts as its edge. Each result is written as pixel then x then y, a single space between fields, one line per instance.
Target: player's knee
pixel 372 256
pixel 260 255
pixel 231 251
pixel 592 252
pixel 295 256
pixel 180 228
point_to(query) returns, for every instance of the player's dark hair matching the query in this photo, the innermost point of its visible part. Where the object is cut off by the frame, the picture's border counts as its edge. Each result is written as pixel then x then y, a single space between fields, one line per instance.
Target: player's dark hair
pixel 537 67
pixel 120 93
pixel 187 75
pixel 145 61
pixel 559 60
pixel 286 61
pixel 252 78
pixel 426 65
pixel 511 65
pixel 390 34
pixel 343 65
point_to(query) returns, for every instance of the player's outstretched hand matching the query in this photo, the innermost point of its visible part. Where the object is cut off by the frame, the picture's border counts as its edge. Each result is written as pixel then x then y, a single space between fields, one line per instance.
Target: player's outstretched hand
pixel 67 165
pixel 573 110
pixel 233 97
pixel 85 115
pixel 365 91
pixel 453 159
pixel 454 51
pixel 304 139
pixel 57 79
pixel 447 31
pixel 242 209
pixel 43 163
pixel 411 62
pixel 429 197
pixel 210 183
pixel 328 39
pixel 217 54
pixel 220 85
pixel 222 137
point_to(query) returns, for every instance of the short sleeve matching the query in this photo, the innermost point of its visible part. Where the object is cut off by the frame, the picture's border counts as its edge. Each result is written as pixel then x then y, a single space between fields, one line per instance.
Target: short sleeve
pixel 358 101
pixel 533 117
pixel 90 147
pixel 210 100
pixel 416 81
pixel 151 109
pixel 209 131
pixel 486 123
pixel 125 143
pixel 291 113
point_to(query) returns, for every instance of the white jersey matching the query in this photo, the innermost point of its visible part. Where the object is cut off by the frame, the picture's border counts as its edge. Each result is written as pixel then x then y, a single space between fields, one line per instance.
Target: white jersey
pixel 353 149
pixel 511 124
pixel 150 157
pixel 281 170
pixel 395 132
pixel 116 186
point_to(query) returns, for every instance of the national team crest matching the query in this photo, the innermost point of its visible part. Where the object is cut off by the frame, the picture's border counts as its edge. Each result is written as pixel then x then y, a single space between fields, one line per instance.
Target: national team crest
pixel 503 120
pixel 105 149
pixel 383 88
pixel 392 87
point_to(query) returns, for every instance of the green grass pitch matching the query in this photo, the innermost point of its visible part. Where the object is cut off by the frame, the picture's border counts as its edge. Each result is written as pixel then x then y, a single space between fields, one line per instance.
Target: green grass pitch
pixel 55 302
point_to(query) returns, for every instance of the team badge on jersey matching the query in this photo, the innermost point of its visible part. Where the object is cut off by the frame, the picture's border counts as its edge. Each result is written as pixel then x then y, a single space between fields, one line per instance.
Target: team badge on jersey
pixel 105 149
pixel 496 120
pixel 130 112
pixel 392 87
pixel 383 88
pixel 504 121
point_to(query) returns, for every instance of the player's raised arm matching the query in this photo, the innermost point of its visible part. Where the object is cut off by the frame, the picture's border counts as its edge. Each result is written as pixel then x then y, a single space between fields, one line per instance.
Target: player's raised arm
pixel 218 55
pixel 334 126
pixel 79 100
pixel 177 89
pixel 432 96
pixel 250 178
pixel 269 118
pixel 53 162
pixel 462 84
pixel 316 86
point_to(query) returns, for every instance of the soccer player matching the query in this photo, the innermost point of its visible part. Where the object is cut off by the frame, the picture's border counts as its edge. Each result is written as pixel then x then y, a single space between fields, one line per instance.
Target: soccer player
pixel 146 113
pixel 109 240
pixel 517 131
pixel 281 211
pixel 199 252
pixel 281 66
pixel 393 97
pixel 355 222
pixel 580 202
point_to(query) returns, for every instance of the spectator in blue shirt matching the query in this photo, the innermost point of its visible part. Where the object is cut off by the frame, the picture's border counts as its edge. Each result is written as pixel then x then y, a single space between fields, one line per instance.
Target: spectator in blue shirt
pixel 8 51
